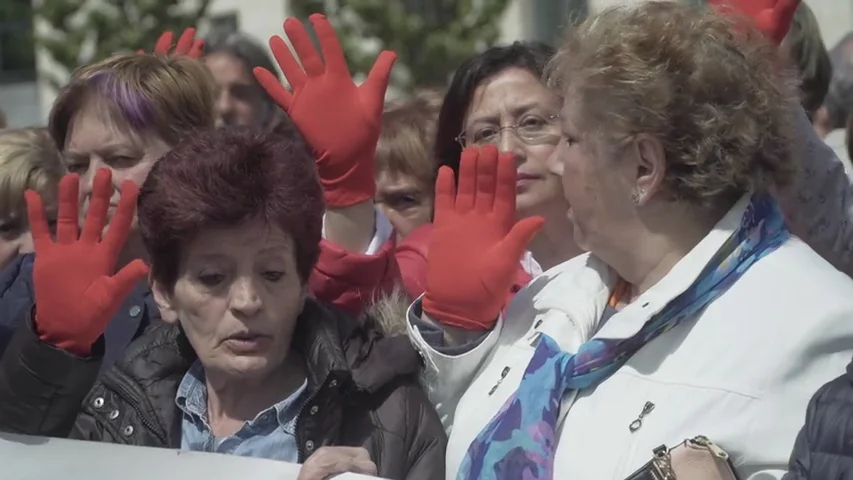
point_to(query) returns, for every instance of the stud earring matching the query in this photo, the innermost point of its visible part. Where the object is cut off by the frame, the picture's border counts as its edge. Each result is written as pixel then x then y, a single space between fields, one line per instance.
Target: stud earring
pixel 638 195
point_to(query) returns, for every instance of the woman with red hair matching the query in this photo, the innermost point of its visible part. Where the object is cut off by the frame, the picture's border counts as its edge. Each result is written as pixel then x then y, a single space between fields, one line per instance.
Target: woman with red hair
pixel 244 362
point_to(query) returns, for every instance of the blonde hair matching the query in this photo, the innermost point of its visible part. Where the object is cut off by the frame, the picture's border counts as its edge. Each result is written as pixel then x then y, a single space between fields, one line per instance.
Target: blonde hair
pixel 406 140
pixel 169 96
pixel 28 160
pixel 717 96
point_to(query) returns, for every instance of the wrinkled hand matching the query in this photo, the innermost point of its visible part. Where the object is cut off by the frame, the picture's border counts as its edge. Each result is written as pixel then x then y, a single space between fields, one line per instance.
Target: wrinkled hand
pixel 339 120
pixel 187 44
pixel 476 245
pixel 773 17
pixel 76 293
pixel 329 461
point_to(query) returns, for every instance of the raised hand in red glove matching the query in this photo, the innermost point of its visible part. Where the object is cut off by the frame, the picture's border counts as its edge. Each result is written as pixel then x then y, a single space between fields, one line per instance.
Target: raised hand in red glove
pixel 476 246
pixel 76 292
pixel 187 44
pixel 339 120
pixel 773 17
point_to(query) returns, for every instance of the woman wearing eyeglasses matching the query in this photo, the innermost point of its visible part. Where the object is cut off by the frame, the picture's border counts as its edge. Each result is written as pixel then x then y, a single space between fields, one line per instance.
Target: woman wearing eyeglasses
pixel 497 98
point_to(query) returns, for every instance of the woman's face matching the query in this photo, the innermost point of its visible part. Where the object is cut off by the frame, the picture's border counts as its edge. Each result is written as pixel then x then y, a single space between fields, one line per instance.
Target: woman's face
pixel 94 142
pixel 515 97
pixel 407 204
pixel 237 297
pixel 598 187
pixel 238 101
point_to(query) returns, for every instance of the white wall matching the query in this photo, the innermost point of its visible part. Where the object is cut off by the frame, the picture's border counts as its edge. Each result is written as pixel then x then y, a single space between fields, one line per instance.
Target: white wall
pixel 517 21
pixel 835 18
pixel 258 18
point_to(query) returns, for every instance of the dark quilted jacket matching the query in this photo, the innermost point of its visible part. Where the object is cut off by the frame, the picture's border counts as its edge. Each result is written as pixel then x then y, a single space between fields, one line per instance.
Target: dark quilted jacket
pixel 363 384
pixel 824 447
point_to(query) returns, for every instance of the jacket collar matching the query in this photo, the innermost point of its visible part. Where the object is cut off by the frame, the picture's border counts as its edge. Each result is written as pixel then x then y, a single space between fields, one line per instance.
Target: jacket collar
pixel 356 350
pixel 320 334
pixel 673 284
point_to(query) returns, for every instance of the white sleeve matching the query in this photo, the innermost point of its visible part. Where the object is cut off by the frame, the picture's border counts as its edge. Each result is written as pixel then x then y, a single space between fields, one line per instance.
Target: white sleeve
pixel 382 232
pixel 445 377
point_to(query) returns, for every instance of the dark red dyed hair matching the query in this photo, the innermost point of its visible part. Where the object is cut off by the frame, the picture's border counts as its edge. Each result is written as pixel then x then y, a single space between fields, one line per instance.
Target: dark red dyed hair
pixel 225 178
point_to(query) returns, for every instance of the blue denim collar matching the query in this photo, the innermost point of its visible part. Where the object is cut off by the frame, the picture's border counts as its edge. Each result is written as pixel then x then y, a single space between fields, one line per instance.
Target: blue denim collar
pixel 191 398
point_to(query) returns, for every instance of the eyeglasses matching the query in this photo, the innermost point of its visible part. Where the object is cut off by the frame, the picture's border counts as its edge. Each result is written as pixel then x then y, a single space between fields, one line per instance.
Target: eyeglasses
pixel 532 130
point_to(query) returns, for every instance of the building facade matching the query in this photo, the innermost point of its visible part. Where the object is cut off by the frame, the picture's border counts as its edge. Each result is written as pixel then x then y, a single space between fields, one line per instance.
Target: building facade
pixel 26 101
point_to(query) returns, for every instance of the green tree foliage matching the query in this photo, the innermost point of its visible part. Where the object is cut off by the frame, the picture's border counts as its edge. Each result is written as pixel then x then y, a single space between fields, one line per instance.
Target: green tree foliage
pixel 431 37
pixel 83 31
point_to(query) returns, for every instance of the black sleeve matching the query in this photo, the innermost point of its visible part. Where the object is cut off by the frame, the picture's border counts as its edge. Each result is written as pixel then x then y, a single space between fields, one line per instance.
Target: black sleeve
pixel 428 441
pixel 799 465
pixel 42 387
pixel 822 446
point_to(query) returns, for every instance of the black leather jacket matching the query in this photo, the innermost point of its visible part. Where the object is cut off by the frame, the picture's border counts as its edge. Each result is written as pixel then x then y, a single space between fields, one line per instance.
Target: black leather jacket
pixel 364 393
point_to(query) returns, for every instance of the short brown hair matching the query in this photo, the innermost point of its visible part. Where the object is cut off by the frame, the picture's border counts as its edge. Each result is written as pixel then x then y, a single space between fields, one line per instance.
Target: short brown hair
pixel 406 140
pixel 717 97
pixel 28 161
pixel 224 179
pixel 169 96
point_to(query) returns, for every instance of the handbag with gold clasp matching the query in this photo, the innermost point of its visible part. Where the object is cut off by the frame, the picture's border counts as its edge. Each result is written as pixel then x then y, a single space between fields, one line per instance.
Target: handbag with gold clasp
pixel 697 458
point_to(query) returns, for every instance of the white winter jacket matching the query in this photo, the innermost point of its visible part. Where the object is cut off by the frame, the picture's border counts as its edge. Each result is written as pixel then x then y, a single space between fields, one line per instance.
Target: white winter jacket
pixel 741 372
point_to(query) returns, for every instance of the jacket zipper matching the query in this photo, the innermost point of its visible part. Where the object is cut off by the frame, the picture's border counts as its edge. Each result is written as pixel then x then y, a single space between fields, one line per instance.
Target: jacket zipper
pixel 712 447
pixel 127 396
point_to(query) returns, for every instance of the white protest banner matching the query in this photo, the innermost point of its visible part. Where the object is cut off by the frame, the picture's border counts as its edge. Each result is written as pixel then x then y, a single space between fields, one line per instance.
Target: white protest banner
pixel 40 458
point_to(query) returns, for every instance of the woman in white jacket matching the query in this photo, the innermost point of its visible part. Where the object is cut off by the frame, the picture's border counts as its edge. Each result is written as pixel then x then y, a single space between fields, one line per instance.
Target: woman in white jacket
pixel 695 312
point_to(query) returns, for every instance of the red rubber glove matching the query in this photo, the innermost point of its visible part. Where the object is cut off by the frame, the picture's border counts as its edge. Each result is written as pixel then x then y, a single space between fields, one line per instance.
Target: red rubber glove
pixel 339 120
pixel 773 17
pixel 75 295
pixel 476 245
pixel 187 44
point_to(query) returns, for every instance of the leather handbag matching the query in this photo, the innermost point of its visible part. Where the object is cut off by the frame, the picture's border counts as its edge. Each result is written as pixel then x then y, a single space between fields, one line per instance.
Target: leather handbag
pixel 697 458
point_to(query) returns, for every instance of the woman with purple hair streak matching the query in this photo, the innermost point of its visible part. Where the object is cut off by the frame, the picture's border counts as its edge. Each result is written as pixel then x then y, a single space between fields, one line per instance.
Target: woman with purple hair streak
pixel 122 114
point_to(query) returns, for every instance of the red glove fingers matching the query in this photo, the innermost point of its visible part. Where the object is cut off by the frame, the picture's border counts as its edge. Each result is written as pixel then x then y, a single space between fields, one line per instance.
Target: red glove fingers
pixel 339 120
pixel 187 44
pixel 476 245
pixel 76 294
